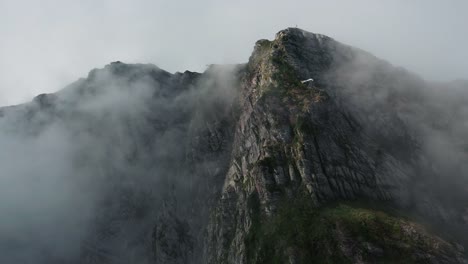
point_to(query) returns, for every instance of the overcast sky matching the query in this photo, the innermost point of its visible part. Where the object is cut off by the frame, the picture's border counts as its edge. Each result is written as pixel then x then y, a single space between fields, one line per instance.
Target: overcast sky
pixel 46 44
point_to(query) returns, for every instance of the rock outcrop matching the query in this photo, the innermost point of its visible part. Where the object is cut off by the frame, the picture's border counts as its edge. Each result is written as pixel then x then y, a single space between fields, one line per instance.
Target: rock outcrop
pixel 341 137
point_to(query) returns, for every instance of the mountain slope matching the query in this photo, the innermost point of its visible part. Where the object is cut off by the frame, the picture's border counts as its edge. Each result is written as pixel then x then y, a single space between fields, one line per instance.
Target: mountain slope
pixel 341 137
pixel 244 163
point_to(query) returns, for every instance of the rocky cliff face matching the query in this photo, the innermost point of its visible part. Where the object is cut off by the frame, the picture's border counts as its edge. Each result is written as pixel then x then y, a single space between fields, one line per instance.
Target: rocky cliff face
pixel 312 152
pixel 341 137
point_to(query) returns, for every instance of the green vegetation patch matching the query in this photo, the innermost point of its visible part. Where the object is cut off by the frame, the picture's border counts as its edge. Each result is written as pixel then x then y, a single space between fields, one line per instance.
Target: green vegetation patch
pixel 337 234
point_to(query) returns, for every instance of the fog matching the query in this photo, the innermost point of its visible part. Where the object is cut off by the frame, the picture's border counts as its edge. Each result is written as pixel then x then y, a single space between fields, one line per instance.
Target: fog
pixel 422 123
pixel 86 171
pixel 48 44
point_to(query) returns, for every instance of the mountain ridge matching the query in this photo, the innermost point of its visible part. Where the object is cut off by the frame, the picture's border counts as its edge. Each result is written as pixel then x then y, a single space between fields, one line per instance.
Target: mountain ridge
pixel 212 167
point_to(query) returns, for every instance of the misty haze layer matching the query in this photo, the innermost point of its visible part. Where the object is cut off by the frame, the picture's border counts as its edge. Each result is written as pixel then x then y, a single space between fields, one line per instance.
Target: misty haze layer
pixel 85 170
pixel 137 165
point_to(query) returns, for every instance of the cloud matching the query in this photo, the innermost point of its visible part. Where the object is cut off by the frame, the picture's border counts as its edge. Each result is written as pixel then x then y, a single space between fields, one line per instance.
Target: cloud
pixel 421 123
pixel 86 169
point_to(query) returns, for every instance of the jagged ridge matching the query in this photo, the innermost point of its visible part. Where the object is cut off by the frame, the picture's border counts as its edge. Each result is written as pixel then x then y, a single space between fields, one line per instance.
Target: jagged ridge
pixel 248 164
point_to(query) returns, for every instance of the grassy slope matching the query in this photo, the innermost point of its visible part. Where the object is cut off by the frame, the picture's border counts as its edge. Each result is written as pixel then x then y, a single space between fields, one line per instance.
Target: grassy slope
pixel 340 233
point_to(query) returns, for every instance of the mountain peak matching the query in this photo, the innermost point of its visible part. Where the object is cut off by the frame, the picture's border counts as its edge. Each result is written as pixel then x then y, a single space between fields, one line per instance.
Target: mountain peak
pixel 297 33
pixel 291 157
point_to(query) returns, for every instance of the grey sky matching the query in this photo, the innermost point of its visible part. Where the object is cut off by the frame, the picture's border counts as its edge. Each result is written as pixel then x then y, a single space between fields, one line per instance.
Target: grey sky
pixel 47 44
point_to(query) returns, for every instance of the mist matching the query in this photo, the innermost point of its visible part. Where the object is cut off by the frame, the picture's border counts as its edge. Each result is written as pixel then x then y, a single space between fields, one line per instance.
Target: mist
pixel 119 135
pixel 420 122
